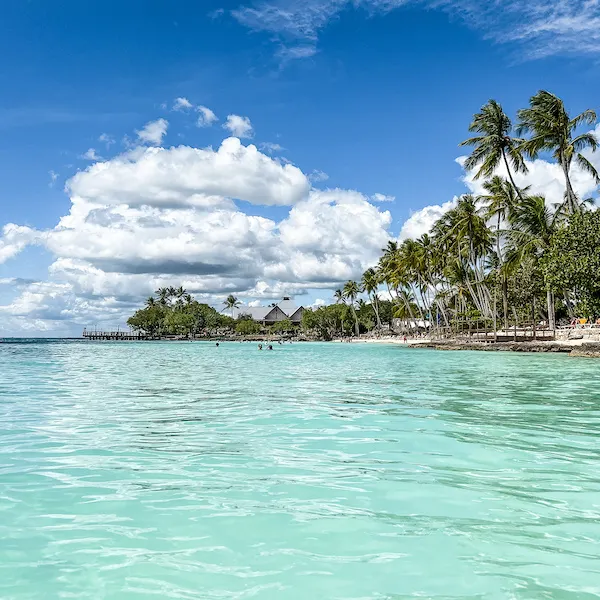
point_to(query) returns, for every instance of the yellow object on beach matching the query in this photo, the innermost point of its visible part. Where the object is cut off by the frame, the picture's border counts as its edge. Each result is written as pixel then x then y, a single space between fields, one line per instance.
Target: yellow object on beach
pixel 582 321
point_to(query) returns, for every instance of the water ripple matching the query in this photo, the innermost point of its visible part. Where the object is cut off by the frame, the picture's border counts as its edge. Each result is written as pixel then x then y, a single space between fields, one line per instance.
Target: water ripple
pixel 177 470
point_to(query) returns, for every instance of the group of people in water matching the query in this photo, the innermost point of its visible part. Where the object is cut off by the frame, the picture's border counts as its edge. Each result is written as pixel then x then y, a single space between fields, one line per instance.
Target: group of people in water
pixel 260 346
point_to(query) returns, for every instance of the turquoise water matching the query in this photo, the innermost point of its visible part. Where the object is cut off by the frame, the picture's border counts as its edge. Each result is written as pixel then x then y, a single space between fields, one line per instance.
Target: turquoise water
pixel 340 471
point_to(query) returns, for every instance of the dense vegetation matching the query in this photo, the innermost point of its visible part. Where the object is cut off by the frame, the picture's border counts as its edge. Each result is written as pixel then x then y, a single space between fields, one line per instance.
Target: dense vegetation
pixel 503 257
pixel 175 312
pixel 506 255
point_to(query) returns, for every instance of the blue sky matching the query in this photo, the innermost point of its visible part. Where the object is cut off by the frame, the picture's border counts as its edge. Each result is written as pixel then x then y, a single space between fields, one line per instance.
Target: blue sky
pixel 375 94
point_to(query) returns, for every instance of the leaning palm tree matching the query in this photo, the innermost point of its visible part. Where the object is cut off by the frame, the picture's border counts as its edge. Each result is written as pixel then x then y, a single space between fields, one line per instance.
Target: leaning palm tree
pixel 552 130
pixel 499 203
pixel 369 284
pixel 532 227
pixel 351 291
pixel 494 144
pixel 231 302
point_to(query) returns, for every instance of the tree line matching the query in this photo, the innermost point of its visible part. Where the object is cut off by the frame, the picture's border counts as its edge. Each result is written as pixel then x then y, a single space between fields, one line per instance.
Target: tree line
pixel 501 257
pixel 172 311
pixel 507 255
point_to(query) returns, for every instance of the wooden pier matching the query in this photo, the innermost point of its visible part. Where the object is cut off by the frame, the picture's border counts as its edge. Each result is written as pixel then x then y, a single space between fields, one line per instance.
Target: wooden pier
pixel 115 336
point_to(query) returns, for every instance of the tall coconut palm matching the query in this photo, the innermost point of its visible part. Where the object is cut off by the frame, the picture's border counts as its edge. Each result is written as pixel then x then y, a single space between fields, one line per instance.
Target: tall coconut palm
pixel 351 291
pixel 494 144
pixel 533 225
pixel 369 284
pixel 463 234
pixel 163 295
pixel 500 201
pixel 339 296
pixel 231 302
pixel 553 130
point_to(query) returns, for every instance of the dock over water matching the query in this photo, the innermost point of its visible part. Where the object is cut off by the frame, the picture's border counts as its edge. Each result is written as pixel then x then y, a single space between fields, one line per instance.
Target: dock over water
pixel 115 336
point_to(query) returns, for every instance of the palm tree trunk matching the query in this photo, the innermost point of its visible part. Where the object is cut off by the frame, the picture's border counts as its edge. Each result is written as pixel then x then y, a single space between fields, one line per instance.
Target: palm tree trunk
pixel 505 299
pixel 356 328
pixel 571 197
pixel 375 304
pixel 510 176
pixel 551 315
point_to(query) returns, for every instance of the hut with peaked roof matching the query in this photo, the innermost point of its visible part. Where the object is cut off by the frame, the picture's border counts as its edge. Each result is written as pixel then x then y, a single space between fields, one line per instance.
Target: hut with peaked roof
pixel 269 315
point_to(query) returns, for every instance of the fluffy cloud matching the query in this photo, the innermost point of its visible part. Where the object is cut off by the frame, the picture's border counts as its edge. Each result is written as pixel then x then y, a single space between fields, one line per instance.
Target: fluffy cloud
pixel 421 221
pixel 14 239
pixel 240 127
pixel 206 117
pixel 190 176
pixel 154 217
pixel 181 104
pixel 90 154
pixel 153 132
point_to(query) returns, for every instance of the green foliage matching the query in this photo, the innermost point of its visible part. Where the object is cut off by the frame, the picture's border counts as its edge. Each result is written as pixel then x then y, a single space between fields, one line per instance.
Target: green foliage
pixel 327 322
pixel 149 319
pixel 285 326
pixel 488 258
pixel 573 261
pixel 174 312
pixel 247 327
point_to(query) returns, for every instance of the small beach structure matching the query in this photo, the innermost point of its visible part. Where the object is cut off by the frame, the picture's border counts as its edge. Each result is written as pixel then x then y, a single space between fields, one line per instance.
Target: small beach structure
pixel 269 315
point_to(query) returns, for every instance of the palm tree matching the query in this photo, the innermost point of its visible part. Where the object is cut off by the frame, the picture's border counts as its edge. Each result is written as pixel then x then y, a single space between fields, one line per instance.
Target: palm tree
pixel 163 295
pixel 494 145
pixel 339 296
pixel 552 130
pixel 500 201
pixel 369 284
pixel 464 237
pixel 231 302
pixel 351 291
pixel 150 302
pixel 533 225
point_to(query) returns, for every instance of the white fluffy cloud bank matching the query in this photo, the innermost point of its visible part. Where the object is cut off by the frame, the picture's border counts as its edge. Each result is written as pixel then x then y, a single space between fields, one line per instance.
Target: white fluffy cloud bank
pixel 155 216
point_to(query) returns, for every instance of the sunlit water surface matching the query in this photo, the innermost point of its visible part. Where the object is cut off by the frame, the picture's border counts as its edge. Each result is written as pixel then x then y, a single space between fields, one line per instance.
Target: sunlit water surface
pixel 340 471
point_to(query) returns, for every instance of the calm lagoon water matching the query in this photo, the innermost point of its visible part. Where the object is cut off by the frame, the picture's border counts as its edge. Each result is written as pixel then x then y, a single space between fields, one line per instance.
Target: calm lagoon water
pixel 340 471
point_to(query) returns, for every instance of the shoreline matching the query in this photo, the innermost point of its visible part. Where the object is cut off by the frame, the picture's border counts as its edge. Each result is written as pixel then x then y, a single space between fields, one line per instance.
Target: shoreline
pixel 575 347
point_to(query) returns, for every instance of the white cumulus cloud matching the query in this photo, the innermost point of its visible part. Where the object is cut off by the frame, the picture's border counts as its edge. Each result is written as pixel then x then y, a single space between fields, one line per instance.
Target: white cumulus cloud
pixel 14 239
pixel 191 176
pixel 206 117
pixel 153 132
pixel 240 127
pixel 181 104
pixel 421 221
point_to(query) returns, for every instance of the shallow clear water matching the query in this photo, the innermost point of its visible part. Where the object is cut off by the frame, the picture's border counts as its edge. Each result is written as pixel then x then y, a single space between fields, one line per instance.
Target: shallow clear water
pixel 340 471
